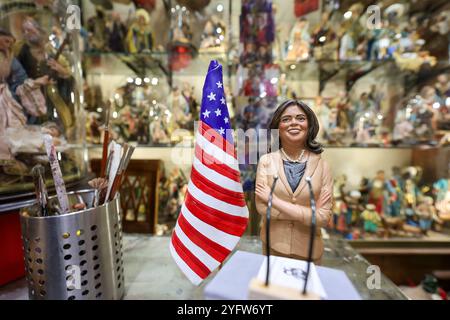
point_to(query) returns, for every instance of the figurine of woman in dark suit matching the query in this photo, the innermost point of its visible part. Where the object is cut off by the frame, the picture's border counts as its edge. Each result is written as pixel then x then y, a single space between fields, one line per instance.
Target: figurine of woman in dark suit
pixel 298 158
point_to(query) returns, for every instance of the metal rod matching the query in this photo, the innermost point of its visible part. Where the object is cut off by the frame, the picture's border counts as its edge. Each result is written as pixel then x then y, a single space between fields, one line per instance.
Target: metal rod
pixel 269 209
pixel 312 232
pixel 108 163
pixel 38 172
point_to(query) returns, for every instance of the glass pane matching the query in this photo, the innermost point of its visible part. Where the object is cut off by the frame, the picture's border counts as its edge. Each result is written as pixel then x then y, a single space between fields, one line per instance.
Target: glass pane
pixel 40 91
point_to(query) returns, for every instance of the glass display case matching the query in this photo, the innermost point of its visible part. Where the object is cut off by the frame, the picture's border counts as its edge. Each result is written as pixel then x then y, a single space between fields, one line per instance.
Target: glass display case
pixel 154 91
pixel 40 93
pixel 376 74
pixel 373 83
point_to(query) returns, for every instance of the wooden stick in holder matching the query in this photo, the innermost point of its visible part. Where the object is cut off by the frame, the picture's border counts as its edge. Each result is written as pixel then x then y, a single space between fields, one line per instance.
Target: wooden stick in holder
pixel 105 142
pixel 122 168
pixel 118 176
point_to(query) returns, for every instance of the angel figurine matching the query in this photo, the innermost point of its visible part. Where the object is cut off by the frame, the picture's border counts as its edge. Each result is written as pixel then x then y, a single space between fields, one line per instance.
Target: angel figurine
pixel 299 41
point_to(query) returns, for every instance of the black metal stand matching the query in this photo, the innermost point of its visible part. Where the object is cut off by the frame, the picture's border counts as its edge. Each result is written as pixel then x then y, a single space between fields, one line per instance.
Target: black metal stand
pixel 269 209
pixel 313 231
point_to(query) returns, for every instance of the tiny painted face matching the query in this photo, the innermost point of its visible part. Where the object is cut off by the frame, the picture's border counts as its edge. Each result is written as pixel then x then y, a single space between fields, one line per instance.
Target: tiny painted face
pixel 141 20
pixel 5 43
pixel 293 126
pixel 380 175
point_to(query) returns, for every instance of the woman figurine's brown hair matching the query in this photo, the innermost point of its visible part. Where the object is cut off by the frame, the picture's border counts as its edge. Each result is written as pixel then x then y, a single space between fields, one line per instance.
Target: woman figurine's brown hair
pixel 298 158
pixel 313 124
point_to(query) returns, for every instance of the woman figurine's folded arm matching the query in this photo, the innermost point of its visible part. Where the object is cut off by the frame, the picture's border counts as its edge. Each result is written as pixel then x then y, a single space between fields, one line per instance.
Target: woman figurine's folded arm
pixel 296 212
pixel 262 189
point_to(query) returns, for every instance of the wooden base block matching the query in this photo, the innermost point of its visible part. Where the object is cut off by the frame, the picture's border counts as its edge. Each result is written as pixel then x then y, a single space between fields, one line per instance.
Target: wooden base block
pixel 259 291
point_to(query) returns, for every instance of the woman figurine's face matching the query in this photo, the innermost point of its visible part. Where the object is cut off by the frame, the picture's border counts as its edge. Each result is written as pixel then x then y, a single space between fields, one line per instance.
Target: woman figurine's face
pixel 293 126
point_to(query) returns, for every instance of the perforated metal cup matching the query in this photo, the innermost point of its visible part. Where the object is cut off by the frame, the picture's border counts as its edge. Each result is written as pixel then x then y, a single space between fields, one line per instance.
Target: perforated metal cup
pixel 76 255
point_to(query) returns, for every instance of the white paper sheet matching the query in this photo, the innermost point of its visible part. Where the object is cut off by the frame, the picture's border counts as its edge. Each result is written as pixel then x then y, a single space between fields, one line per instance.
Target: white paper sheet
pixel 291 273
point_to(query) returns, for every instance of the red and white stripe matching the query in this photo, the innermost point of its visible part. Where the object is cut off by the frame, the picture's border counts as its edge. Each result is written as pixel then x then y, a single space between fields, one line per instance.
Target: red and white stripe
pixel 214 214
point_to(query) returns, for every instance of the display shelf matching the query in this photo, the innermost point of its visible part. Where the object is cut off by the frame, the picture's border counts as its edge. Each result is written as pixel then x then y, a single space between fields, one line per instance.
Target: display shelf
pixel 111 63
pixel 202 59
pixel 154 54
pixel 326 146
pixel 418 256
pixel 122 64
pixel 331 70
pixel 349 62
pixel 28 185
pixel 14 201
pixel 151 146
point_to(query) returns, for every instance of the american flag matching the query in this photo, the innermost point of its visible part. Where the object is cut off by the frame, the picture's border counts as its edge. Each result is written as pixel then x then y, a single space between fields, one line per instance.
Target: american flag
pixel 214 214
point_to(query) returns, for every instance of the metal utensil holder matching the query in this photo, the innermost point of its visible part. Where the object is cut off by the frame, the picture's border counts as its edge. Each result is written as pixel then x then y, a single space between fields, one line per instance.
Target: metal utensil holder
pixel 76 255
